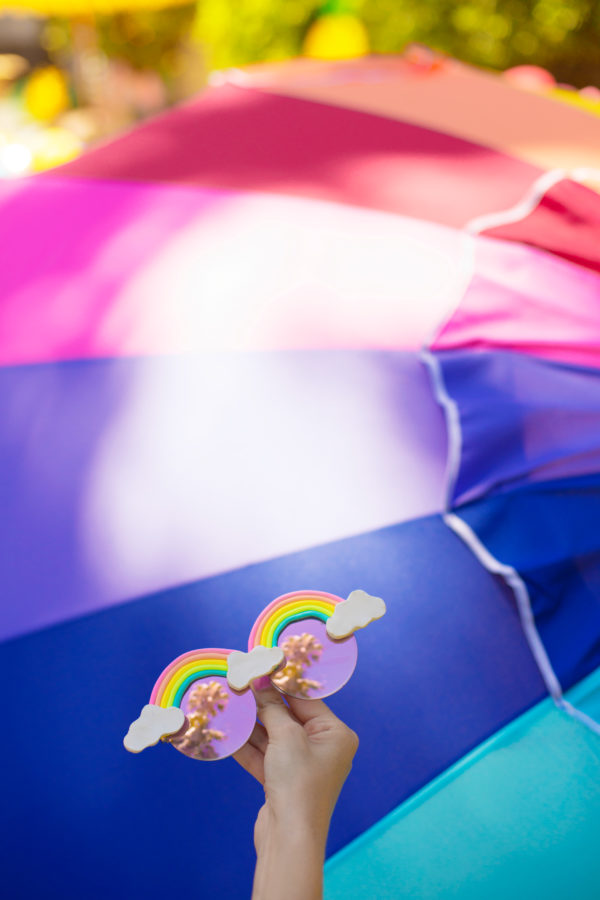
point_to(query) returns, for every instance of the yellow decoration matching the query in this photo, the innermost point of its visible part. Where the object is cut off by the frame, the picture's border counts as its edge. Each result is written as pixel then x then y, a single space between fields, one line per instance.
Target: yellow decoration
pixel 336 36
pixel 70 8
pixel 576 99
pixel 46 94
pixel 54 147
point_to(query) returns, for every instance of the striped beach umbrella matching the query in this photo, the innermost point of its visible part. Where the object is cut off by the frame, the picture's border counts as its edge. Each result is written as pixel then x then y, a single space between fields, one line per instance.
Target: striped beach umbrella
pixel 326 327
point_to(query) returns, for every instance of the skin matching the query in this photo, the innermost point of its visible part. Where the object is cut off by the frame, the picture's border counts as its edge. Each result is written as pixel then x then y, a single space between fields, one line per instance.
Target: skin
pixel 301 754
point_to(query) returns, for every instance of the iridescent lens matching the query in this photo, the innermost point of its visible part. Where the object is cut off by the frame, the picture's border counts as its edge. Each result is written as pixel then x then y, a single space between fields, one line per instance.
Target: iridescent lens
pixel 316 666
pixel 220 721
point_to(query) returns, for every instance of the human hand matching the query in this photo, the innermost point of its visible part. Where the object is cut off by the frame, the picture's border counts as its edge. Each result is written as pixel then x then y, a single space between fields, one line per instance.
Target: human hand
pixel 301 754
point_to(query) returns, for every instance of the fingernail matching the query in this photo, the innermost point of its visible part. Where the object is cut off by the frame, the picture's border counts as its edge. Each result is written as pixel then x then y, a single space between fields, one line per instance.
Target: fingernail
pixel 261 684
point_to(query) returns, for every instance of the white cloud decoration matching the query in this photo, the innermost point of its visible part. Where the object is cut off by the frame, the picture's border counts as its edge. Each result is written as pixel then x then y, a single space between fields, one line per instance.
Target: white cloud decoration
pixel 153 723
pixel 242 668
pixel 357 611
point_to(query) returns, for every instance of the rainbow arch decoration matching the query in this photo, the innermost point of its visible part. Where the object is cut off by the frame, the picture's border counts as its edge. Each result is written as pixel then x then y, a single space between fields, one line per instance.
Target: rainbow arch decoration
pixel 292 607
pixel 173 682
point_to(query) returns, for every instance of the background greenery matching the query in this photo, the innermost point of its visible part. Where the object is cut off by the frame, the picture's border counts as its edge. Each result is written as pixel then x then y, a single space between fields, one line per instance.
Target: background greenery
pixel 563 36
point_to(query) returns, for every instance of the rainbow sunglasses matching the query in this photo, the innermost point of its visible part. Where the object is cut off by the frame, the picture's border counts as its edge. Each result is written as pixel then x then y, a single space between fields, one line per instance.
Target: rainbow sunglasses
pixel 303 641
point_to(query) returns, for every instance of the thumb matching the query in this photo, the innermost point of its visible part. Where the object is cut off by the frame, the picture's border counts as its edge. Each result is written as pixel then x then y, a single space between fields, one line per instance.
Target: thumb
pixel 271 709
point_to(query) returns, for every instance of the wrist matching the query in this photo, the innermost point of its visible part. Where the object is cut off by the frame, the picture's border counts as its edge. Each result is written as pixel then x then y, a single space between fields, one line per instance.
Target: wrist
pixel 303 803
pixel 298 831
pixel 291 832
pixel 299 820
pixel 290 856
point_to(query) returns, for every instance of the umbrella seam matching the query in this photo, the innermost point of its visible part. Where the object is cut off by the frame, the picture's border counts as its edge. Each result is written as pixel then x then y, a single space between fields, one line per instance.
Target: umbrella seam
pixel 455 442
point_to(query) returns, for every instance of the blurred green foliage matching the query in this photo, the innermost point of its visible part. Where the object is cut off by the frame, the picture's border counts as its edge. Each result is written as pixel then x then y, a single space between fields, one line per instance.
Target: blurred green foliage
pixel 563 36
pixel 147 40
pixel 236 32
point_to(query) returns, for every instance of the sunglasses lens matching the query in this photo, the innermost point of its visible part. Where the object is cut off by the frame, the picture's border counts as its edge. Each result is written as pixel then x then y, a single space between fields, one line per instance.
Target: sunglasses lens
pixel 316 666
pixel 220 721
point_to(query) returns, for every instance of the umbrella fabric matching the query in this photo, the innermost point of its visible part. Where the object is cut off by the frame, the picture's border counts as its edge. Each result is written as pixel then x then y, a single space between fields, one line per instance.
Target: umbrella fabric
pixel 454 837
pixel 262 343
pixel 447 96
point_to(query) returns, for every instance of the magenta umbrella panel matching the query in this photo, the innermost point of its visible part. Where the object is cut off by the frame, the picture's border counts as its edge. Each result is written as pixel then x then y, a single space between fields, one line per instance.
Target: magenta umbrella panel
pixel 263 345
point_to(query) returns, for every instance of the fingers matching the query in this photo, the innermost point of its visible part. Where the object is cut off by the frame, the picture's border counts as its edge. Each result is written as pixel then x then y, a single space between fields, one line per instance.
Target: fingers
pixel 259 738
pixel 251 755
pixel 252 760
pixel 272 711
pixel 318 720
pixel 305 710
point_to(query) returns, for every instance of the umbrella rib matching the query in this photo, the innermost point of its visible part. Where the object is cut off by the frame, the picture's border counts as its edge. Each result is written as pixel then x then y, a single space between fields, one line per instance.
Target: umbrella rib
pixel 519 589
pixel 461 528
